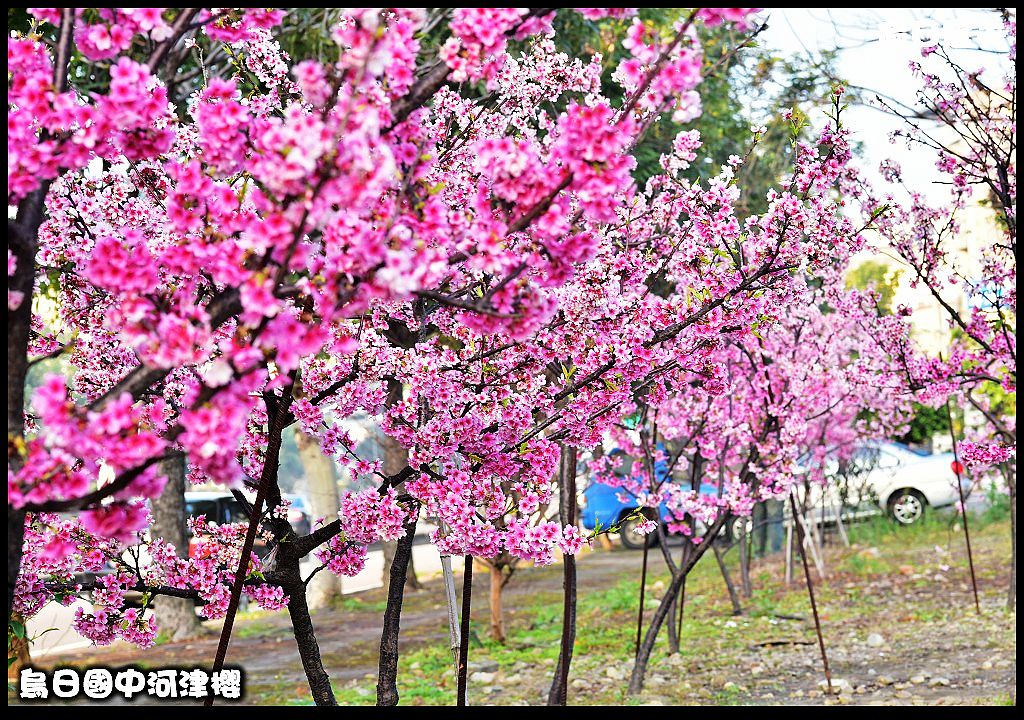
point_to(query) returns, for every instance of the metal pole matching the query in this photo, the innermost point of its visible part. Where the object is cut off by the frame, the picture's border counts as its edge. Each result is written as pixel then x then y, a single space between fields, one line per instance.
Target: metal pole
pixel 963 507
pixel 640 610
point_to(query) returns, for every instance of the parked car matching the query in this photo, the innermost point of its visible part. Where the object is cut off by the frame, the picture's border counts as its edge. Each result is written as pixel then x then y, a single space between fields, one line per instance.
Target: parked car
pixel 221 508
pixel 894 479
pixel 604 506
pixel 218 507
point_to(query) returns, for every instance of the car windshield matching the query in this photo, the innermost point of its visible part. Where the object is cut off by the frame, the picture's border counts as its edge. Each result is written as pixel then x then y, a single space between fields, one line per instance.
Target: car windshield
pixel 194 508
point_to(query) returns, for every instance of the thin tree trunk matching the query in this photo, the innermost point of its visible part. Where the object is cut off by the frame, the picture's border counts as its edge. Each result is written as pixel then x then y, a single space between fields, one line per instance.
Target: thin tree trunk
pixel 636 680
pixel 673 628
pixel 497 620
pixel 276 411
pixel 963 508
pixel 666 553
pixel 309 650
pixel 814 604
pixel 395 457
pixel 681 601
pixel 176 616
pixel 744 543
pixel 640 605
pixel 387 675
pixel 558 695
pixel 734 598
pixel 322 490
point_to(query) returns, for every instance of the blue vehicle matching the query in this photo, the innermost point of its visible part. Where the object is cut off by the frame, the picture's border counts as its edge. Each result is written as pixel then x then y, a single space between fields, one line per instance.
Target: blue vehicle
pixel 603 508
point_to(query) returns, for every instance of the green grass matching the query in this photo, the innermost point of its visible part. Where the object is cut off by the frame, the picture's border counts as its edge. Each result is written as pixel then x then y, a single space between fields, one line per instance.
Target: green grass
pixel 712 638
pixel 879 530
pixel 862 564
pixel 354 603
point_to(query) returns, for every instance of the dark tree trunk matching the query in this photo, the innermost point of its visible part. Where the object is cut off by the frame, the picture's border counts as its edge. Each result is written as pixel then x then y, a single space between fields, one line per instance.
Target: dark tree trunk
pixel 810 594
pixel 176 616
pixel 266 493
pixel 734 598
pixel 412 583
pixel 666 553
pixel 309 650
pixel 395 457
pixel 643 656
pixel 467 604
pixel 387 669
pixel 15 540
pixel 22 238
pixel 681 608
pixel 558 695
pixel 673 630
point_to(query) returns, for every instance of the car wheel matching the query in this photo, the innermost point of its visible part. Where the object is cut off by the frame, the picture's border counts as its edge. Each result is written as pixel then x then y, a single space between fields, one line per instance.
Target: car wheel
pixel 632 540
pixel 907 506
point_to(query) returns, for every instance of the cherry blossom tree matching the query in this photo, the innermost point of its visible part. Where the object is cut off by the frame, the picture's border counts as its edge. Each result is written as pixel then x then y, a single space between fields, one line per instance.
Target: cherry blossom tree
pixel 301 241
pixel 799 391
pixel 969 124
pixel 449 242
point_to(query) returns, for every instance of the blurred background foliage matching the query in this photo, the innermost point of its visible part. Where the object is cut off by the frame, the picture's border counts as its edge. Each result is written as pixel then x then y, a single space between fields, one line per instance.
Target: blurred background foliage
pixel 880 276
pixel 741 90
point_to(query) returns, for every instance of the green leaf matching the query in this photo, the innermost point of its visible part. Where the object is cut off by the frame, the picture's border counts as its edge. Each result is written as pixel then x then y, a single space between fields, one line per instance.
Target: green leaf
pixel 18 629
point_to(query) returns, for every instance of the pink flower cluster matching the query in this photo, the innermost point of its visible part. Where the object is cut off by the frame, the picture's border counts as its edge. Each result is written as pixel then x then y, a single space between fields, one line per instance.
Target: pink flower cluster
pixel 76 445
pixel 986 454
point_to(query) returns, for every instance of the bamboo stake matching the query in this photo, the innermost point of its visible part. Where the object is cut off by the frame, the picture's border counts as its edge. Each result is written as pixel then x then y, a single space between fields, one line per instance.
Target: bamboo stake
pixel 803 538
pixel 842 528
pixel 810 592
pixel 453 615
pixel 789 552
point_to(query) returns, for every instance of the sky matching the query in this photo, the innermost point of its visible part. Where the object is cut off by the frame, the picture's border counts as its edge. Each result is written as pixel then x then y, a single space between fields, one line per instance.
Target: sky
pixel 877 47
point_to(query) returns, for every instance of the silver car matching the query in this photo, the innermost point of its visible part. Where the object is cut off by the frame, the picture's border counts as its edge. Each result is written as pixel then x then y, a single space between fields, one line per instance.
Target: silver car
pixel 890 477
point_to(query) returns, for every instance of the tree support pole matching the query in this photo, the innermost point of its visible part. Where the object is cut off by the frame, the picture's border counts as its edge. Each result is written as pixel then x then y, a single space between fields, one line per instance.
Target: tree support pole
pixel 963 507
pixel 810 592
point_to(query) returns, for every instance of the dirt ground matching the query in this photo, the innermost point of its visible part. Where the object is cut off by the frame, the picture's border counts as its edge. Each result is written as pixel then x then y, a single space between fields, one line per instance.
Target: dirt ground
pixel 897 614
